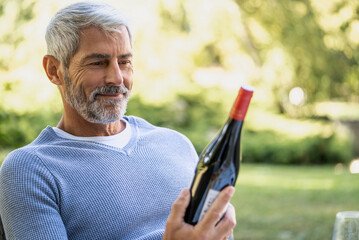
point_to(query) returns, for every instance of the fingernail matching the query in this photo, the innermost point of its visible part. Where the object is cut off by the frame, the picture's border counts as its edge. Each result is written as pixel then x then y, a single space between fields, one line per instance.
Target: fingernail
pixel 231 191
pixel 184 193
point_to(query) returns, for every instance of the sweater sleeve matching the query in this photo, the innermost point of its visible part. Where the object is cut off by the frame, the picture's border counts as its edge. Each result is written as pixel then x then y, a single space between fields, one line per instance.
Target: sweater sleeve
pixel 29 199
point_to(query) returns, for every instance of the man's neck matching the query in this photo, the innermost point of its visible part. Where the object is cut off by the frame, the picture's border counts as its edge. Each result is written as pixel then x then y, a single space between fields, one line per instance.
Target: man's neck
pixel 76 125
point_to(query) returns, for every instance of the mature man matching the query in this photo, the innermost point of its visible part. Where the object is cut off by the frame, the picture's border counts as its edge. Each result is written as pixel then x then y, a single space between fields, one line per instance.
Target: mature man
pixel 100 174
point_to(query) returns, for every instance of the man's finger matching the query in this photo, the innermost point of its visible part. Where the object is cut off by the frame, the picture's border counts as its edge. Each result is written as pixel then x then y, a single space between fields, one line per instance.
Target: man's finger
pixel 227 223
pixel 218 207
pixel 179 207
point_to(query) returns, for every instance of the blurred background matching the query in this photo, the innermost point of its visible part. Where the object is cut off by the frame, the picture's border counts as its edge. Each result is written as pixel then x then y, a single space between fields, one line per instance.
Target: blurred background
pixel 301 134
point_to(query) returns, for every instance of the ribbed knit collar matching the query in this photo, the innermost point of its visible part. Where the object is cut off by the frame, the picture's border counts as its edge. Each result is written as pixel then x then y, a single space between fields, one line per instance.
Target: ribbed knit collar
pixel 49 136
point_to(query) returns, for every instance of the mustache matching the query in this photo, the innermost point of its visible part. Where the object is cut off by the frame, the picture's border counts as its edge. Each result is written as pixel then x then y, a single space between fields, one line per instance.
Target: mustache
pixel 109 90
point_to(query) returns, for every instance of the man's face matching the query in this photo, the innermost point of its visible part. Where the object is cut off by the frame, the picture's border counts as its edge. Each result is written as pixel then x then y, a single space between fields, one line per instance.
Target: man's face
pixel 98 82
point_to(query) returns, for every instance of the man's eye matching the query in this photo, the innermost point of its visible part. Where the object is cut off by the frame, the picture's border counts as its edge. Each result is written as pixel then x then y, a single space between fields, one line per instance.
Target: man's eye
pixel 96 63
pixel 124 62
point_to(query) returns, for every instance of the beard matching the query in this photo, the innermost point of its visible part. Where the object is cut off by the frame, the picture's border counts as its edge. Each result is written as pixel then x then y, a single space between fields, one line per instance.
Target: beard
pixel 94 109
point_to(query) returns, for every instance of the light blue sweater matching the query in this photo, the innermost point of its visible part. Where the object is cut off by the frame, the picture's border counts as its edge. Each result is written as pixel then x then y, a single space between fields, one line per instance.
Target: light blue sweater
pixel 56 188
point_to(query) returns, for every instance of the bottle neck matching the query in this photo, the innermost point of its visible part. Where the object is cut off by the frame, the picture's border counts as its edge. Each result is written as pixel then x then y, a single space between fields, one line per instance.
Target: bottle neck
pixel 240 106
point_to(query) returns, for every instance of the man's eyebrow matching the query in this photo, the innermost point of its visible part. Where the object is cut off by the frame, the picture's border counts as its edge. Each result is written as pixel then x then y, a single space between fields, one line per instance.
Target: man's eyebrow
pixel 103 56
pixel 95 56
pixel 126 55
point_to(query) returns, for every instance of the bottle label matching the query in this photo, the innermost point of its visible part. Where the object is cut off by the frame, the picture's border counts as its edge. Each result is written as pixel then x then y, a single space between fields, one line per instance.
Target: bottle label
pixel 211 196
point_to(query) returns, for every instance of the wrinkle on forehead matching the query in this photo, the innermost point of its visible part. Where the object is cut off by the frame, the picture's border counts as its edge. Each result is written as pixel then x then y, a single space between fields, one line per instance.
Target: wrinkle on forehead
pixel 94 40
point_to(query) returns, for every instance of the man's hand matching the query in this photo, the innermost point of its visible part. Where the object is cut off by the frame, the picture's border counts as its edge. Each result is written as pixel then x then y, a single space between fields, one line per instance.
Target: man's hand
pixel 207 228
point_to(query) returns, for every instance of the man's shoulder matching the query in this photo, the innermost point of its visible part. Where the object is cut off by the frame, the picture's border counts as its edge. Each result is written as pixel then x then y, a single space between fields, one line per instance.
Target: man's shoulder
pixel 27 153
pixel 146 126
pixel 19 162
pixel 139 122
pixel 164 134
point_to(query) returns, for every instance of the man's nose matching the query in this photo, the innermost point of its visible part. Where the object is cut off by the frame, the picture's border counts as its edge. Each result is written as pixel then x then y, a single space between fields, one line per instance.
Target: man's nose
pixel 114 74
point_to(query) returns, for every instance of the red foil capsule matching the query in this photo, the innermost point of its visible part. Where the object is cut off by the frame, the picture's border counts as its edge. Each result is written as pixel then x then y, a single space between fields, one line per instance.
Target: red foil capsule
pixel 240 106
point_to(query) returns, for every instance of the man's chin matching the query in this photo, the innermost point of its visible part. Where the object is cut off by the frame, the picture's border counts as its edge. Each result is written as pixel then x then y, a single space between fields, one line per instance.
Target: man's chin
pixel 104 118
pixel 102 121
pixel 110 102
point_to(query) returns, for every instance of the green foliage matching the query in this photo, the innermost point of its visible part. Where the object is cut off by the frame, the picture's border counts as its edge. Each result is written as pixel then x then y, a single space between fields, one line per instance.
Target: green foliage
pixel 320 54
pixel 14 15
pixel 208 56
pixel 174 21
pixel 19 129
pixel 271 147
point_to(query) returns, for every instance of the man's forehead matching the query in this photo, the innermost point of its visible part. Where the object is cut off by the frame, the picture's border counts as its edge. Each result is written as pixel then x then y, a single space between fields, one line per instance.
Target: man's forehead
pixel 93 31
pixel 93 39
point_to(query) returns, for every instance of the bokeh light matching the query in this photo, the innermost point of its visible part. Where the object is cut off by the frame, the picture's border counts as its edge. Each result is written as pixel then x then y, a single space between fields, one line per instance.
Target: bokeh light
pixel 354 166
pixel 297 96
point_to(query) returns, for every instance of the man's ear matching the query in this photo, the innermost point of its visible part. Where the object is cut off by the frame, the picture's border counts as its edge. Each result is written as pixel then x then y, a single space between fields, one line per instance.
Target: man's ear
pixel 52 68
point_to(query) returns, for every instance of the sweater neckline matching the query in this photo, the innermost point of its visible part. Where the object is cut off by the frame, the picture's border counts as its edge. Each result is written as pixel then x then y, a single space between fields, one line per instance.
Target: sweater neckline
pixel 126 149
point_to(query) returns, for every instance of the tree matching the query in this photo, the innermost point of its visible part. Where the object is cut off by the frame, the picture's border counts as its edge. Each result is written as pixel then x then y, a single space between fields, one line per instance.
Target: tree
pixel 318 42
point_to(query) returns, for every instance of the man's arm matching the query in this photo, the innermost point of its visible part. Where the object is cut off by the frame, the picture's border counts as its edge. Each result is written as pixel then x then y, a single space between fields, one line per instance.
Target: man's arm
pixel 207 228
pixel 29 199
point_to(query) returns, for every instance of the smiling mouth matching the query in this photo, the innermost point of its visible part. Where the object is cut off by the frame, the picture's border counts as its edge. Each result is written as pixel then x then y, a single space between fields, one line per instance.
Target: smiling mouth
pixel 109 95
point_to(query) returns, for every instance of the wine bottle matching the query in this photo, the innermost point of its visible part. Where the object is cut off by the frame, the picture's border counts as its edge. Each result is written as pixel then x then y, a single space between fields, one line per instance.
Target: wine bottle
pixel 219 162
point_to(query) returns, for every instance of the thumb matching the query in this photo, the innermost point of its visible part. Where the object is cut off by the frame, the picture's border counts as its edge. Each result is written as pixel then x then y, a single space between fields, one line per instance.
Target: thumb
pixel 179 207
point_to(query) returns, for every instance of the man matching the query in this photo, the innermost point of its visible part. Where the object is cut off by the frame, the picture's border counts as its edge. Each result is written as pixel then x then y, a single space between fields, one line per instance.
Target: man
pixel 100 174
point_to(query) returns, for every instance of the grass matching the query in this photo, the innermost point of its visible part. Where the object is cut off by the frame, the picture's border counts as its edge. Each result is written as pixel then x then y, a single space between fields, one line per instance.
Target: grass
pixel 291 202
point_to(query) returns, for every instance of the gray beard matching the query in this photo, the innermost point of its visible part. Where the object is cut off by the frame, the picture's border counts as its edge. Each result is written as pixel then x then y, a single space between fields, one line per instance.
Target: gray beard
pixel 96 110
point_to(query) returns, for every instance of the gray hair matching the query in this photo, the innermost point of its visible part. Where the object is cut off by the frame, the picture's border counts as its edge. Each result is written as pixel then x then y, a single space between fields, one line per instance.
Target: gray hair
pixel 63 32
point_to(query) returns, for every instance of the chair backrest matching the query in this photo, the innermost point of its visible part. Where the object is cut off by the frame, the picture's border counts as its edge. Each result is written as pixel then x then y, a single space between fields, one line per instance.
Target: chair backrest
pixel 2 232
